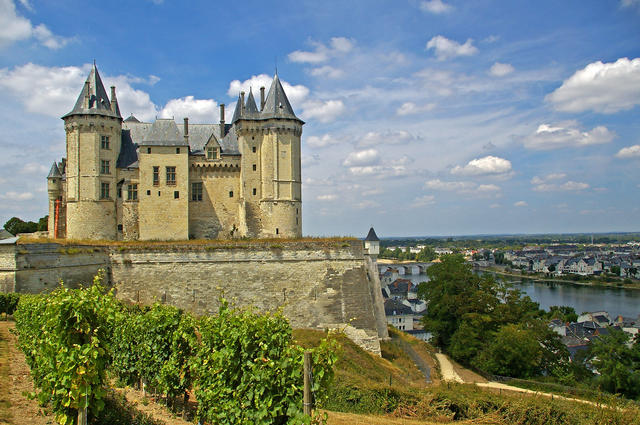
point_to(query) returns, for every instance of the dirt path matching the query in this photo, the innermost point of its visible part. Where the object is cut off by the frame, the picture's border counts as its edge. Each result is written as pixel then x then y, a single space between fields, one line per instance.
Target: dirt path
pixel 446 369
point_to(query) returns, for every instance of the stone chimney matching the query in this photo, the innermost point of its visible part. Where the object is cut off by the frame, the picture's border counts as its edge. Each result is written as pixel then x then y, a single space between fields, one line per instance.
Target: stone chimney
pixel 261 98
pixel 242 101
pixel 87 96
pixel 222 120
pixel 186 130
pixel 114 100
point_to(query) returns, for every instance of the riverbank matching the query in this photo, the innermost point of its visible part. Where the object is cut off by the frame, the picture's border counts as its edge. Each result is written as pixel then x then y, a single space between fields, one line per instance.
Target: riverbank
pixel 539 278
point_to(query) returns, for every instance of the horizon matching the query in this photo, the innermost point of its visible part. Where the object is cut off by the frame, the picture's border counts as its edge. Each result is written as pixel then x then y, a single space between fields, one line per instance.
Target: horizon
pixel 453 118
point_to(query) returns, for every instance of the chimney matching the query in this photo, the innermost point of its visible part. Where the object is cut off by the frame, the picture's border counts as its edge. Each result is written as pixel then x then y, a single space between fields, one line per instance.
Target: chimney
pixel 186 130
pixel 114 101
pixel 261 98
pixel 242 101
pixel 87 95
pixel 221 120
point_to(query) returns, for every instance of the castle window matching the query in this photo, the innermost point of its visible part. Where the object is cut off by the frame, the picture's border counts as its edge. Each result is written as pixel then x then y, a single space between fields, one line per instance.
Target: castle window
pixel 177 150
pixel 212 153
pixel 176 195
pixel 254 191
pixel 231 194
pixel 171 176
pixel 104 142
pixel 119 191
pixel 132 192
pixel 104 167
pixel 148 193
pixel 254 167
pixel 104 190
pixel 156 176
pixel 277 231
pixel 196 191
pixel 148 150
pixel 119 227
pixel 254 149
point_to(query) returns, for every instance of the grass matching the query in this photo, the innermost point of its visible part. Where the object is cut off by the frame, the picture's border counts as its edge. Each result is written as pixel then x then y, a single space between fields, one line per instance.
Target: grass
pixel 5 404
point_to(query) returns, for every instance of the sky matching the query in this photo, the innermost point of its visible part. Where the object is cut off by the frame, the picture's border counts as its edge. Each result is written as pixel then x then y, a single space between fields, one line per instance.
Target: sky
pixel 423 117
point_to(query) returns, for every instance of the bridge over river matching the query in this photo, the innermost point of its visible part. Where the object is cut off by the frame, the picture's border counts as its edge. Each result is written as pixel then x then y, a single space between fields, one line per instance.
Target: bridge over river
pixel 405 268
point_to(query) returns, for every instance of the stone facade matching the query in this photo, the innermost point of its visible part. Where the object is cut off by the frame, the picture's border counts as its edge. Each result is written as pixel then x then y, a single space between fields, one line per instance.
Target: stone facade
pixel 316 284
pixel 130 180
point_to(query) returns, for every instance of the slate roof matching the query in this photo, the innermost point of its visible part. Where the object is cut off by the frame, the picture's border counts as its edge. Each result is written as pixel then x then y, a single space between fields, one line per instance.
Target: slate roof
pixel 99 103
pixel 4 234
pixel 163 132
pixel 396 308
pixel 371 236
pixel 54 172
pixel 276 105
pixel 131 118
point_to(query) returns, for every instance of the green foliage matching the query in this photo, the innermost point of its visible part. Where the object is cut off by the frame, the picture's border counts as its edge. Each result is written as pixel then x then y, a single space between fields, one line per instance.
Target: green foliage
pixel 43 224
pixel 246 369
pixel 618 364
pixel 564 313
pixel 15 225
pixel 64 337
pixel 9 302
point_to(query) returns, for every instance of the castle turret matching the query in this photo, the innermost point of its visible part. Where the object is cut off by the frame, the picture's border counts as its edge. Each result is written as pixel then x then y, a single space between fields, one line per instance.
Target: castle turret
pixel 93 131
pixel 54 189
pixel 372 244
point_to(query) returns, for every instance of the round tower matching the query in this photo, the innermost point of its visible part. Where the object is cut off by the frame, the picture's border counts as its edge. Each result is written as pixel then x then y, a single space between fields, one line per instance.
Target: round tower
pixel 93 136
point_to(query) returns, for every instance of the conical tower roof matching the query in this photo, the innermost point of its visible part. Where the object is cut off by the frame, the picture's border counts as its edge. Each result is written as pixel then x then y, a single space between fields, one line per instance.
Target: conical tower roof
pixel 251 108
pixel 277 105
pixel 54 172
pixel 237 113
pixel 372 237
pixel 93 99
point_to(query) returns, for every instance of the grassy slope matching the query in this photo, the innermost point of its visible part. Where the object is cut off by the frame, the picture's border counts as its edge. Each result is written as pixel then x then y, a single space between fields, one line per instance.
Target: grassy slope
pixel 362 386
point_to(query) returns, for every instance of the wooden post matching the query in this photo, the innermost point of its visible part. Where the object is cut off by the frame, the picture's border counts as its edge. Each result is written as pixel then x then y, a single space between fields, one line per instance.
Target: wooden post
pixel 307 383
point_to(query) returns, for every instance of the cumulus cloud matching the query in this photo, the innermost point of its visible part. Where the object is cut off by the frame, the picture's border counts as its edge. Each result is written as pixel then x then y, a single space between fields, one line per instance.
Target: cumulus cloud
pixel 330 197
pixel 629 152
pixel 327 71
pixel 391 137
pixel 17 196
pixel 410 108
pixel 501 69
pixel 467 187
pixel 14 27
pixel 566 134
pixel 549 183
pixel 197 110
pixel 321 141
pixel 435 6
pixel 295 93
pixel 488 165
pixel 445 48
pixel 422 201
pixel 520 204
pixel 600 87
pixel 322 110
pixel 321 52
pixel 362 158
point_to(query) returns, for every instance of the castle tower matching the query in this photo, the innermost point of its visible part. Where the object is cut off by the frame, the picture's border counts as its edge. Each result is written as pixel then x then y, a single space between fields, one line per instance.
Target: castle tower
pixel 269 141
pixel 93 137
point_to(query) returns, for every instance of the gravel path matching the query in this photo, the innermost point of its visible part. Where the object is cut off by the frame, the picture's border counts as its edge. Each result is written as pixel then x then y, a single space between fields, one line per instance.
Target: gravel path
pixel 446 369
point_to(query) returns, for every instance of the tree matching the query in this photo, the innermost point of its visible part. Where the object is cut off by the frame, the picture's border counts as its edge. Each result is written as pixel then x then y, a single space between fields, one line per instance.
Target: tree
pixel 564 313
pixel 15 225
pixel 426 254
pixel 43 224
pixel 617 364
pixel 513 351
pixel 615 270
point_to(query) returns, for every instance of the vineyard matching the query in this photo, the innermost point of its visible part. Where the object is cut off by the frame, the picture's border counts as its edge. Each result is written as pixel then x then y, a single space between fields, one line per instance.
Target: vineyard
pixel 243 367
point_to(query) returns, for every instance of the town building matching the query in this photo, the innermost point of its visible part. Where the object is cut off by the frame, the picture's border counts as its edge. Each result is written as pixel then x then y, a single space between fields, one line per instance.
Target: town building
pixel 131 180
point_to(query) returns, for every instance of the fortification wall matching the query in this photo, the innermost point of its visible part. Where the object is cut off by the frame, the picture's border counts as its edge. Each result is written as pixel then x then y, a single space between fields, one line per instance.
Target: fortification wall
pixel 7 268
pixel 317 285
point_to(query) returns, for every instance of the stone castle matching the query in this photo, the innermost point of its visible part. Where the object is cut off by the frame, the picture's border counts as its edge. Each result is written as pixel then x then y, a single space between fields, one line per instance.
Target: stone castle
pixel 130 180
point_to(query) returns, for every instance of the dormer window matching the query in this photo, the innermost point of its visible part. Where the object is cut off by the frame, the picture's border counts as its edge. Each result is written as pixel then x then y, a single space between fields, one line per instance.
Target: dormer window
pixel 212 153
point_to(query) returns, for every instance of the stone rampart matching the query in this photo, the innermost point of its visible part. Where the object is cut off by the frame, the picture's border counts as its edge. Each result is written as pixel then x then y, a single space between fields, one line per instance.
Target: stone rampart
pixel 317 284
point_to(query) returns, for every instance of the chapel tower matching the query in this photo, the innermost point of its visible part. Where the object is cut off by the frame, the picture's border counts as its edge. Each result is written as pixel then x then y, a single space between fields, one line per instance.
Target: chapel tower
pixel 93 132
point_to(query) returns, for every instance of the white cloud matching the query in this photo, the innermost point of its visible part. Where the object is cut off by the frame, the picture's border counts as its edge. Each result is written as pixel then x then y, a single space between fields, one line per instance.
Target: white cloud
pixel 362 158
pixel 34 168
pixel 630 3
pixel 549 183
pixel 323 111
pixel 495 206
pixel 327 71
pixel 17 196
pixel 566 135
pixel 458 186
pixel 321 142
pixel 629 152
pixel 520 204
pixel 484 166
pixel 330 197
pixel 600 87
pixel 548 177
pixel 391 137
pixel 487 188
pixel 501 69
pixel 378 171
pixel 422 201
pixel 14 28
pixel 296 94
pixel 197 110
pixel 410 108
pixel 445 48
pixel 435 6
pixel 337 46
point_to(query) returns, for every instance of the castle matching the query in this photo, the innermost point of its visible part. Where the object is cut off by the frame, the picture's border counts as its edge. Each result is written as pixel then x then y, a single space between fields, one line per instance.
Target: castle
pixel 130 180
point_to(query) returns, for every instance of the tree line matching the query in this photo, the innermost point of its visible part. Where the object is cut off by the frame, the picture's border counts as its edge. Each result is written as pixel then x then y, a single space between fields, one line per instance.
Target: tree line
pixel 16 225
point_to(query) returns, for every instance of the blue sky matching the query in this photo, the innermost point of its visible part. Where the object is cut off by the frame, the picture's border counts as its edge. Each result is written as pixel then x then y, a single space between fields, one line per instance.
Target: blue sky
pixel 434 117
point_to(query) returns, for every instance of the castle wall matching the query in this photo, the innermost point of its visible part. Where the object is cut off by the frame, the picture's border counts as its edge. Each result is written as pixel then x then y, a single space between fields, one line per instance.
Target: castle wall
pixel 318 285
pixel 7 267
pixel 162 216
pixel 91 220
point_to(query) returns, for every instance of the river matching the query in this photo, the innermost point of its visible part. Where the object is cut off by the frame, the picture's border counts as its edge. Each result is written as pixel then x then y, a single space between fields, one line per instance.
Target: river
pixel 582 298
